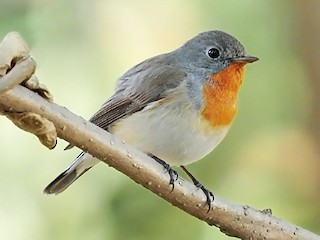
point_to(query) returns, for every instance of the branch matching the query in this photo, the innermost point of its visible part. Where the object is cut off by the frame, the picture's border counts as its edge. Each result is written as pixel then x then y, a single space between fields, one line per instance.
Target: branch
pixel 234 220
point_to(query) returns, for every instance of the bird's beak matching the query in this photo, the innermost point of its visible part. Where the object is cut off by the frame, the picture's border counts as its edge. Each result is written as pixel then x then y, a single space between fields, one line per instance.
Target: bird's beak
pixel 244 59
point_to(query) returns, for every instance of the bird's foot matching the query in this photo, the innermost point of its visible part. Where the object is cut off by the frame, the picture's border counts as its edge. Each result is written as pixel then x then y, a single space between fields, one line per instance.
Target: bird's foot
pixel 209 195
pixel 172 173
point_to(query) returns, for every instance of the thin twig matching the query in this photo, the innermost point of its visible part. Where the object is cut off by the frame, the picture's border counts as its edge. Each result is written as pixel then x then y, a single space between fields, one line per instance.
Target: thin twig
pixel 21 71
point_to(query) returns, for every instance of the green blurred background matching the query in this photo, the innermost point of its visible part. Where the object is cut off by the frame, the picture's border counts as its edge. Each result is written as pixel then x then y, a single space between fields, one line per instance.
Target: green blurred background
pixel 270 159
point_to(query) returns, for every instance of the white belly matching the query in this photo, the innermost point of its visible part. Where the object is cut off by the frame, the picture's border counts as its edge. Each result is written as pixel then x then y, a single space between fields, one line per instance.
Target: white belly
pixel 171 131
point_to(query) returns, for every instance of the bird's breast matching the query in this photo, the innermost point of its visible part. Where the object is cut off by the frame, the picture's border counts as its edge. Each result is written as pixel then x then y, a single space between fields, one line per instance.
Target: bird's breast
pixel 220 95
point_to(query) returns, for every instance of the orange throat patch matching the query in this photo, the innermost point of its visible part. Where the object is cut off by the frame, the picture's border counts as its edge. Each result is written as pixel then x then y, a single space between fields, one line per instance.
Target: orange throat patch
pixel 220 95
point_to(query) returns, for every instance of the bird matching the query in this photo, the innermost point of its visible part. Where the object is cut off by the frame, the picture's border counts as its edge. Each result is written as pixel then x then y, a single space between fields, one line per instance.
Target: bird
pixel 176 107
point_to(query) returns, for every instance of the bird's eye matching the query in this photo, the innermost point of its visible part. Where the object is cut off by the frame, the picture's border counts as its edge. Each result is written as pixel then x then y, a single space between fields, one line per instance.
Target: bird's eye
pixel 213 53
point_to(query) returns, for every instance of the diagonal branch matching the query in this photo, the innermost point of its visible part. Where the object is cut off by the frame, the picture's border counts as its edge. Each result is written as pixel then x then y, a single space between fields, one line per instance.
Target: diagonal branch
pixel 234 220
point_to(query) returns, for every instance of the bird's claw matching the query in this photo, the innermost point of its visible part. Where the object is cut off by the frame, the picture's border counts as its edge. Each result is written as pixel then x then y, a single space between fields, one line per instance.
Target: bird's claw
pixel 209 195
pixel 172 173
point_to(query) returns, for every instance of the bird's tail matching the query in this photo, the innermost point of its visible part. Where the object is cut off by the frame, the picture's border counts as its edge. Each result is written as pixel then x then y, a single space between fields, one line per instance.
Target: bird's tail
pixel 79 166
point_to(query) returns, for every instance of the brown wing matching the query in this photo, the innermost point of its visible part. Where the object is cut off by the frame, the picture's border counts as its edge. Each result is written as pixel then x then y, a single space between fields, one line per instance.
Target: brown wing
pixel 145 83
pixel 114 109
